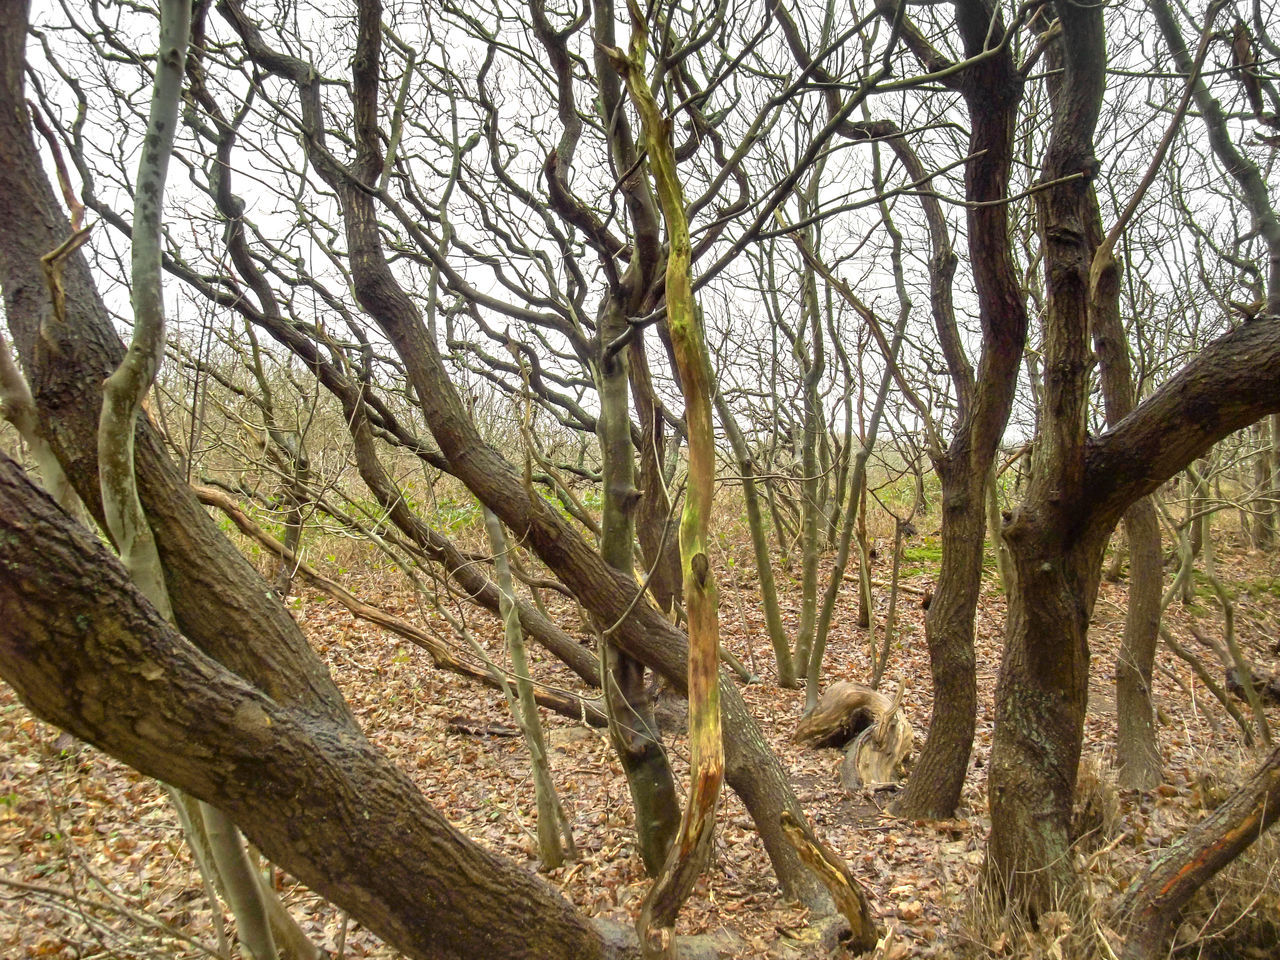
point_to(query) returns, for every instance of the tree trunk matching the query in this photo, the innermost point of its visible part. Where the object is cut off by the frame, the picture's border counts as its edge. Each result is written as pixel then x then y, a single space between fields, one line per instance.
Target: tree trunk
pixel 1137 754
pixel 933 789
pixel 691 849
pixel 759 546
pixel 992 91
pixel 551 822
pixel 655 526
pixel 631 724
pixel 1040 706
pixel 1266 518
pixel 85 651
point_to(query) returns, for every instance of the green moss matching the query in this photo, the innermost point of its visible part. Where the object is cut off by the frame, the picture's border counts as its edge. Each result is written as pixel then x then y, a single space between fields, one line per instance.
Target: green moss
pixel 1262 587
pixel 927 551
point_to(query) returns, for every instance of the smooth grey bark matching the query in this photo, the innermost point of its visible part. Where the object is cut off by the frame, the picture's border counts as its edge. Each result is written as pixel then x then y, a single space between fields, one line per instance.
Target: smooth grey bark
pixel 759 546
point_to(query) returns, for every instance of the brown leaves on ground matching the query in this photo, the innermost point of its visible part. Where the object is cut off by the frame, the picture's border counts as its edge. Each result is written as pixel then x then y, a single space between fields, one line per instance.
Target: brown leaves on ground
pixel 92 862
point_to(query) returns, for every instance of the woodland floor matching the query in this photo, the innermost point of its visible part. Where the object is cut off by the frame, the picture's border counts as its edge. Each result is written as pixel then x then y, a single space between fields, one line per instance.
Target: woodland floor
pixel 92 863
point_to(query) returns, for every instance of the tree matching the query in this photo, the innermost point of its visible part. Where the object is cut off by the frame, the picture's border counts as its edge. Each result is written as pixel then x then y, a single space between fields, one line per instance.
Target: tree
pixel 255 635
pixel 456 244
pixel 1080 487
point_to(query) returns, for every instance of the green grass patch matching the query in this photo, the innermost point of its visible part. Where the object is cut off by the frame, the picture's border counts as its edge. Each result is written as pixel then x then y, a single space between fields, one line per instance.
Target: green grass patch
pixel 1262 587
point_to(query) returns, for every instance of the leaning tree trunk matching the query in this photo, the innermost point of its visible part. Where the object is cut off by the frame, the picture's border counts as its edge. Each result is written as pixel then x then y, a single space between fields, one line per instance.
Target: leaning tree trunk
pixel 1153 904
pixel 86 651
pixel 123 393
pixel 552 825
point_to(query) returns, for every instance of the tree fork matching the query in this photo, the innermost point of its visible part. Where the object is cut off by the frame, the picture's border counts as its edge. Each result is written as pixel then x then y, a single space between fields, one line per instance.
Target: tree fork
pixel 751 768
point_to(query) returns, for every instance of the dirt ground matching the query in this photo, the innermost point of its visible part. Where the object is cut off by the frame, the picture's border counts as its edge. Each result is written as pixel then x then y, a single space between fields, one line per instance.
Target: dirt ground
pixel 92 863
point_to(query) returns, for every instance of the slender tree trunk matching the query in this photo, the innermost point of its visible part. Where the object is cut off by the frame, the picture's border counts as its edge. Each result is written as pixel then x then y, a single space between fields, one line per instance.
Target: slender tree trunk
pixel 1056 550
pixel 810 515
pixel 1266 517
pixel 239 883
pixel 856 495
pixel 551 822
pixel 759 546
pixel 298 467
pixel 655 526
pixel 691 848
pixel 995 528
pixel 631 724
pixel 1137 753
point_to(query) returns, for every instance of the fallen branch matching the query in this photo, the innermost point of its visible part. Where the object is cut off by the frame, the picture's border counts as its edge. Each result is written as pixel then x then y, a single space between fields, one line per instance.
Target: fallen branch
pixel 1153 905
pixel 845 890
pixel 1207 679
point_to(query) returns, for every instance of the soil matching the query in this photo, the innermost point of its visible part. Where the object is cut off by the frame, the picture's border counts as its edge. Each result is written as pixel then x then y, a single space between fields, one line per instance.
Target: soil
pixel 92 863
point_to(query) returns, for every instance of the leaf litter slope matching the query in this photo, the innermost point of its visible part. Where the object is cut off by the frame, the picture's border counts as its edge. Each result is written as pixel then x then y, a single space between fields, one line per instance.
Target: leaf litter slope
pixel 91 860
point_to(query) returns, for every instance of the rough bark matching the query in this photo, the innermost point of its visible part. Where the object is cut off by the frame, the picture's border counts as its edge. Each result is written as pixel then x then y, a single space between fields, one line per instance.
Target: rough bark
pixel 86 651
pixel 992 91
pixel 220 602
pixel 1137 753
pixel 1043 686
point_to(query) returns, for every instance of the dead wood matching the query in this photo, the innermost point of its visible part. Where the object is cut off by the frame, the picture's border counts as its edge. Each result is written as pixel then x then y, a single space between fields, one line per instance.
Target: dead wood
pixel 476 728
pixel 843 711
pixel 1211 685
pixel 845 890
pixel 878 753
pixel 1266 687
pixel 875 735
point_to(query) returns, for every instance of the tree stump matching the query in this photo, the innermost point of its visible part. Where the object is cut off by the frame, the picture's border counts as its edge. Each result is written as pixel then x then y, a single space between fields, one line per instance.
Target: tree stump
pixel 867 725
